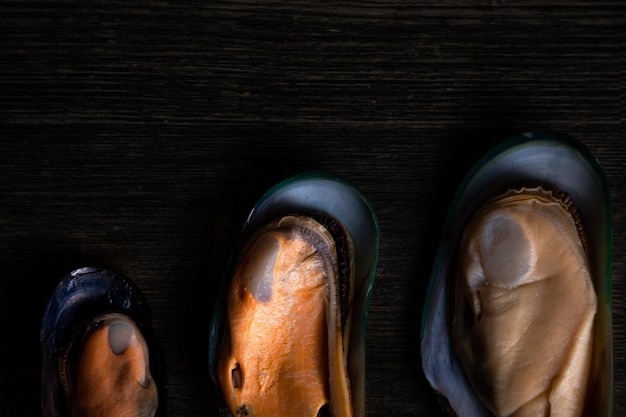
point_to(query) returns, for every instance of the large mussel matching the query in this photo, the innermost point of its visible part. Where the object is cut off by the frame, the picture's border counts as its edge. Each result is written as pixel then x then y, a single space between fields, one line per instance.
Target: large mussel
pixel 100 356
pixel 517 320
pixel 287 335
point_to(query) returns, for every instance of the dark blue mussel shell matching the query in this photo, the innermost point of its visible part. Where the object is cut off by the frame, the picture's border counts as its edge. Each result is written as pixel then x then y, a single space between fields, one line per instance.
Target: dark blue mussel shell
pixel 81 296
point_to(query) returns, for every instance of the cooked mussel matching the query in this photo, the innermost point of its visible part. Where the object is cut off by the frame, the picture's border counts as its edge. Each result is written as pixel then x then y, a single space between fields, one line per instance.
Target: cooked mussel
pixel 524 308
pixel 112 376
pixel 288 331
pixel 517 319
pixel 99 353
pixel 288 316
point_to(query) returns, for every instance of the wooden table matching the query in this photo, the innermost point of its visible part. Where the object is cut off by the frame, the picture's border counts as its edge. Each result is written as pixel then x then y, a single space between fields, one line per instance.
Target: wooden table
pixel 136 136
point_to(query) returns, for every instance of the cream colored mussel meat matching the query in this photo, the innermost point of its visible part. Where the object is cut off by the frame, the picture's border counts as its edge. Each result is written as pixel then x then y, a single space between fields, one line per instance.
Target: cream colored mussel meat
pixel 525 305
pixel 288 321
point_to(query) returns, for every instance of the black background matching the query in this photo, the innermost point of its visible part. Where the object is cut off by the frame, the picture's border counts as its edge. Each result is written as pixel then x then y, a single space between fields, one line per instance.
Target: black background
pixel 137 135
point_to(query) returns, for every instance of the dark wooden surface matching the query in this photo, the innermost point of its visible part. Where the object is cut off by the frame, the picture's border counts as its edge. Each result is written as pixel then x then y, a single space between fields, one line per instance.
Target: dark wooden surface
pixel 136 136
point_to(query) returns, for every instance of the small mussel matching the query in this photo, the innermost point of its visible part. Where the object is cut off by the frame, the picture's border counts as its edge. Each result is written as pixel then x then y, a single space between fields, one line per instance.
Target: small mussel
pixel 289 340
pixel 100 356
pixel 517 320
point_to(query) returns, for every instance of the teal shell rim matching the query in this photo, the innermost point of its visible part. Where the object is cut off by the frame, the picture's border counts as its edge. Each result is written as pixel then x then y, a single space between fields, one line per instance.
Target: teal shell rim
pixel 502 149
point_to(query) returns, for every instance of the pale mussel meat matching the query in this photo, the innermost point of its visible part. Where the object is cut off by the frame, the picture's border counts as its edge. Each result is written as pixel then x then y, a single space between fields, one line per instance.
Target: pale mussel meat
pixel 517 319
pixel 288 329
pixel 522 324
pixel 100 356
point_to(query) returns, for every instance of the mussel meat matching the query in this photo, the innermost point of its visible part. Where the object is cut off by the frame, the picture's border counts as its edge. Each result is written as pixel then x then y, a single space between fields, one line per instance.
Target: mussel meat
pixel 113 371
pixel 525 305
pixel 289 316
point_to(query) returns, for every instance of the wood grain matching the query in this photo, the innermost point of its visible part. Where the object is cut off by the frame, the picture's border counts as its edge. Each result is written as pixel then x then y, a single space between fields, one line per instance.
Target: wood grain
pixel 137 135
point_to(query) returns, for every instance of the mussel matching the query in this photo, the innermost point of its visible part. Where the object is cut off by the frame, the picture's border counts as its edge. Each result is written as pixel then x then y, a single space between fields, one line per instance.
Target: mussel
pixel 100 356
pixel 524 308
pixel 287 335
pixel 517 320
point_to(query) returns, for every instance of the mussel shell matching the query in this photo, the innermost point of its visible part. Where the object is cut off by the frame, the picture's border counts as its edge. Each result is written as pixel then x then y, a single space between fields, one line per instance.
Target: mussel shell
pixel 526 160
pixel 81 296
pixel 328 195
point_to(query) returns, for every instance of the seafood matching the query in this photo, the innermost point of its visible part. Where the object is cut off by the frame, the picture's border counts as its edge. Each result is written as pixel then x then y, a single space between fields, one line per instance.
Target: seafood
pixel 99 353
pixel 287 335
pixel 113 343
pixel 287 349
pixel 521 277
pixel 524 308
